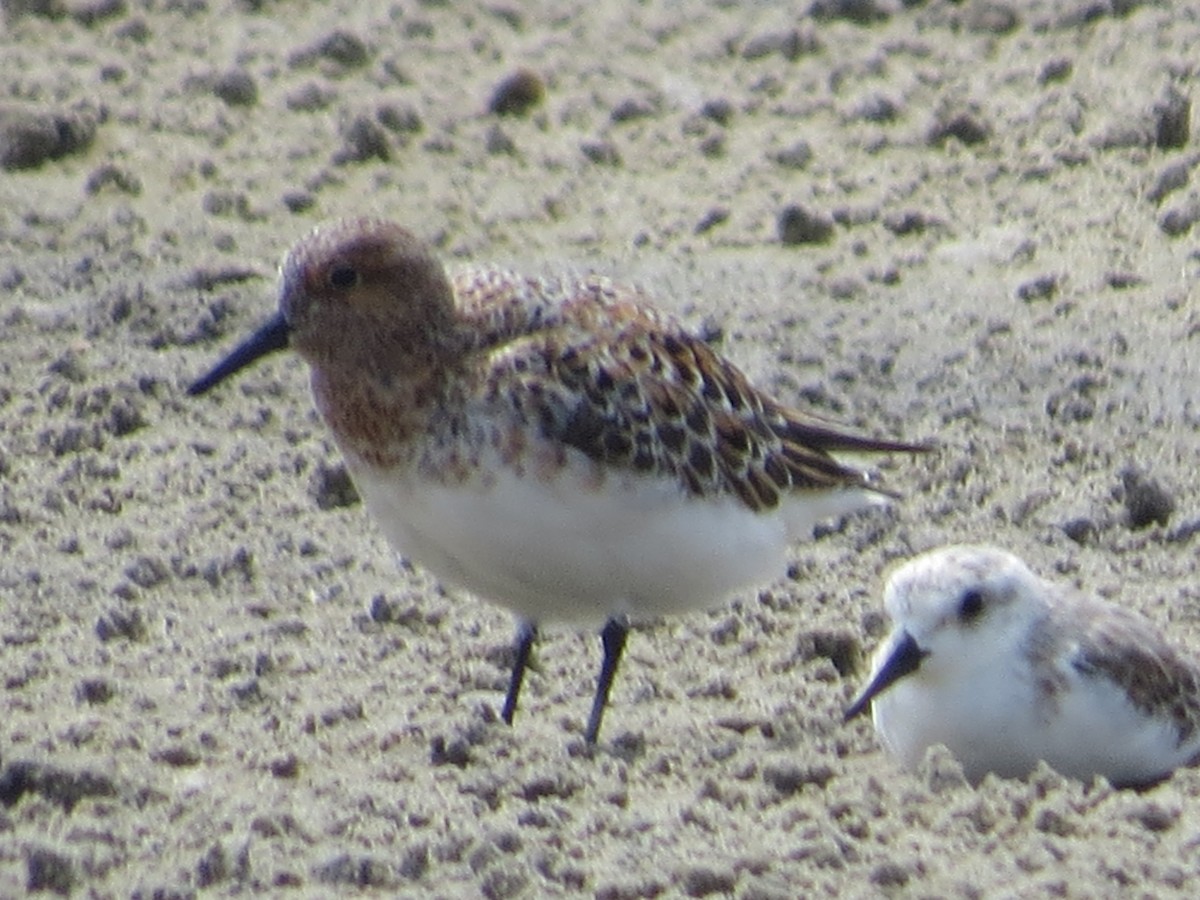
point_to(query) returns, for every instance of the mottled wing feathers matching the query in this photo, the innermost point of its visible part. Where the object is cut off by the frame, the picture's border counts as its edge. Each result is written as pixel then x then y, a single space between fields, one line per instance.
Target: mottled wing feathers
pixel 599 371
pixel 499 307
pixel 1134 655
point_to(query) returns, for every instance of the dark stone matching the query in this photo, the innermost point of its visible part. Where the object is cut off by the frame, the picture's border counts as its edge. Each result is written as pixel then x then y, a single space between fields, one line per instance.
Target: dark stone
pixel 791 779
pixel 344 48
pixel 796 156
pixel 603 153
pixel 498 143
pixel 1081 530
pixel 861 12
pixel 364 139
pixel 109 175
pixel 1179 219
pixel 57 785
pixel 704 882
pixel 632 108
pixel 1170 178
pixel 719 110
pixel 30 136
pixel 1147 502
pixel 965 126
pixel 711 219
pixel 1054 70
pixel 517 94
pixel 1172 120
pixel 839 647
pixel 1041 288
pixel 236 87
pixel 332 487
pixel 48 871
pixel 94 691
pixel 798 225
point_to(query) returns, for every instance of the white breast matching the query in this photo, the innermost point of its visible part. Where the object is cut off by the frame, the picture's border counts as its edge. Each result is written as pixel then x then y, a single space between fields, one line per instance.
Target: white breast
pixel 558 551
pixel 1001 722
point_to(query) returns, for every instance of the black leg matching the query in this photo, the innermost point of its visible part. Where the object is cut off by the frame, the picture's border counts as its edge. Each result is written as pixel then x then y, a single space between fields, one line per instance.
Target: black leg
pixel 612 638
pixel 526 635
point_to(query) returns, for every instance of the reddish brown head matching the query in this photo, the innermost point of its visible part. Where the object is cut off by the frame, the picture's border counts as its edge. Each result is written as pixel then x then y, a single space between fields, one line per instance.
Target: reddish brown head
pixel 359 283
pixel 357 293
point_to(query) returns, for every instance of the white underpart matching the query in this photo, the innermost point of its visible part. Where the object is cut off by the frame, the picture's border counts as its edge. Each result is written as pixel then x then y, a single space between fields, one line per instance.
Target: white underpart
pixel 982 696
pixel 992 720
pixel 555 551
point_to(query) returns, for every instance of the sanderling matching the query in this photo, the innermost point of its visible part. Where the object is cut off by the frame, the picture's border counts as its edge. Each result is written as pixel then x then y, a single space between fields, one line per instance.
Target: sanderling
pixel 1006 669
pixel 555 445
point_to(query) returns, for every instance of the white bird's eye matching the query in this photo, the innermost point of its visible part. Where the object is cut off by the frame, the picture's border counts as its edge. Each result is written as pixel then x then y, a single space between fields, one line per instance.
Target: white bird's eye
pixel 970 606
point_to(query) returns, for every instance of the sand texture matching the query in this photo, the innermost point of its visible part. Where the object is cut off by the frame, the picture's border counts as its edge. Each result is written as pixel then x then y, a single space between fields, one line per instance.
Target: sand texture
pixel 969 222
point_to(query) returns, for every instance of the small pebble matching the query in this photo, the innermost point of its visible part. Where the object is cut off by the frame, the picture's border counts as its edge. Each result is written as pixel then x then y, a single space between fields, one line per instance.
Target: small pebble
pixel 236 87
pixel 1172 120
pixel 343 48
pixel 1041 288
pixel 632 108
pixel 964 125
pixel 1179 219
pixel 310 97
pixel 497 142
pixel 878 108
pixel 30 136
pixel 991 18
pixel 111 176
pixel 517 93
pixel 89 12
pixel 796 156
pixel 711 219
pixel 789 44
pixel 1170 178
pixel 719 110
pixel 603 153
pixel 364 139
pixel 399 119
pixel 1147 502
pixel 861 12
pixel 299 201
pixel 798 225
pixel 1055 70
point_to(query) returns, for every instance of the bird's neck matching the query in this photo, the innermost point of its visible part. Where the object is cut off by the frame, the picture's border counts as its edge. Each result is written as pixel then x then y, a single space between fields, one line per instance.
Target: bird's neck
pixel 378 399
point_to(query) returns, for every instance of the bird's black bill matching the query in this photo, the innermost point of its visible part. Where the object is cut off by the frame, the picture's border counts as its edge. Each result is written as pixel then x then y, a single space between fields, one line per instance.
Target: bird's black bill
pixel 905 659
pixel 272 336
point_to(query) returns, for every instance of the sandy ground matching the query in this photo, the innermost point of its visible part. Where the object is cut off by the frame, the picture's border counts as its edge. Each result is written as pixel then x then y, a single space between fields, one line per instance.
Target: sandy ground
pixel 216 676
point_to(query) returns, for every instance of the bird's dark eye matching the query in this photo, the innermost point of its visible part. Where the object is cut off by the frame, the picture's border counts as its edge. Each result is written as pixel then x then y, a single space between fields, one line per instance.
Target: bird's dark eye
pixel 970 606
pixel 343 277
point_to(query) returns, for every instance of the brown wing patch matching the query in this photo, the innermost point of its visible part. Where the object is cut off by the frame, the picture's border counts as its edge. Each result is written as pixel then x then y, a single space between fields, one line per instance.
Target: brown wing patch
pixel 594 367
pixel 655 401
pixel 1160 681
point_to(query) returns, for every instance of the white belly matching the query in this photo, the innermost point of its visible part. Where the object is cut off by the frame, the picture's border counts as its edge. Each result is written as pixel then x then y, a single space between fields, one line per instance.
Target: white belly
pixel 557 551
pixel 997 722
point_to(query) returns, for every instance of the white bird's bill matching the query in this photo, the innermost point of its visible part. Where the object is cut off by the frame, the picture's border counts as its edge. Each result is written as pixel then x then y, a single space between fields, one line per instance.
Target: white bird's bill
pixel 1006 669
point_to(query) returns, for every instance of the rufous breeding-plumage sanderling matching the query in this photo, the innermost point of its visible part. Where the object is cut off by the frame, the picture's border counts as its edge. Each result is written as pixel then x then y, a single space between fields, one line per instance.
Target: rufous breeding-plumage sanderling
pixel 555 445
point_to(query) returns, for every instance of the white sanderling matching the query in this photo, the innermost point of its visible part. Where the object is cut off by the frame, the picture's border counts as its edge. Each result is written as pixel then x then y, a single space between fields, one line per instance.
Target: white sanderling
pixel 555 445
pixel 1006 669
